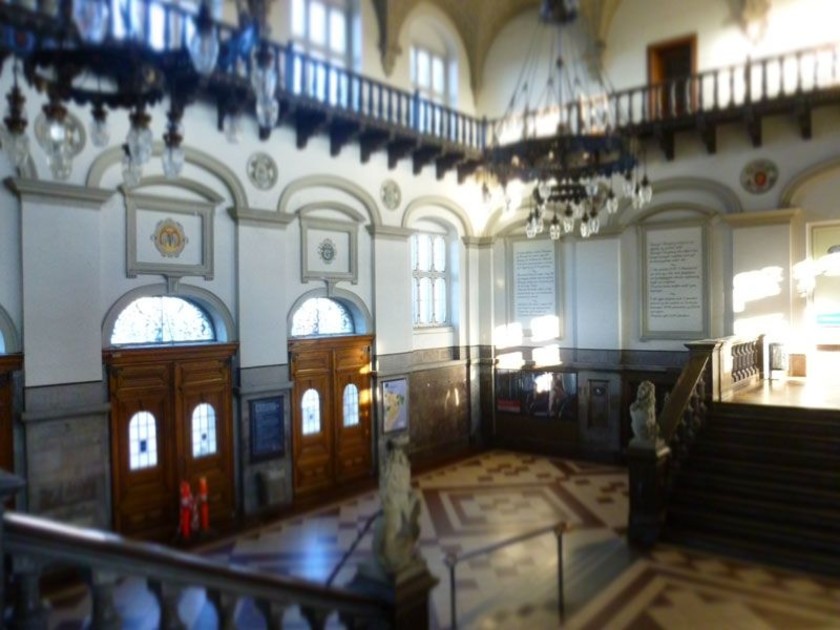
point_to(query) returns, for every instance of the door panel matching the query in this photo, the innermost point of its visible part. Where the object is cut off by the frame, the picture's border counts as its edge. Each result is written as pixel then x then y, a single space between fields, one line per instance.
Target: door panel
pixel 311 442
pixel 171 384
pixel 338 452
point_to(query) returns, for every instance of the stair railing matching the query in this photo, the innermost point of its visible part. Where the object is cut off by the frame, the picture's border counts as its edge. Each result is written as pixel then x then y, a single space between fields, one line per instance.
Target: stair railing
pixel 34 544
pixel 715 371
pixel 353 546
pixel 452 560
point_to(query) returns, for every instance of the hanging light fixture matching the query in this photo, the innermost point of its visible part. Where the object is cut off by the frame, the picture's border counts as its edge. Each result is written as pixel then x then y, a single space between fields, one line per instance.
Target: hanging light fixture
pixel 16 140
pixel 562 141
pixel 88 53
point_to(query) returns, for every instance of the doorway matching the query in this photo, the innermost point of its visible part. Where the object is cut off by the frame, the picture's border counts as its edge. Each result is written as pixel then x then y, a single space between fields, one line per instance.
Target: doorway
pixel 171 421
pixel 332 443
pixel 9 364
pixel 670 66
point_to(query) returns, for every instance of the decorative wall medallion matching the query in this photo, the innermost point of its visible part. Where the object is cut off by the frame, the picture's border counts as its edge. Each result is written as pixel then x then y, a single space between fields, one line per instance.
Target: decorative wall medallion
pixel 73 129
pixel 759 176
pixel 390 194
pixel 262 170
pixel 326 250
pixel 169 238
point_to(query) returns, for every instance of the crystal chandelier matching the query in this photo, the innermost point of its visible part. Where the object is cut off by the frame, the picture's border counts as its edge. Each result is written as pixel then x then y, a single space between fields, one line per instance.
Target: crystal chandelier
pixel 131 60
pixel 562 141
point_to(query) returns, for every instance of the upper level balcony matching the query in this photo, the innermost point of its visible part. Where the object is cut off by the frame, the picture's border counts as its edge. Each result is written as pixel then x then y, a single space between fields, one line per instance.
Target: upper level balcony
pixel 315 97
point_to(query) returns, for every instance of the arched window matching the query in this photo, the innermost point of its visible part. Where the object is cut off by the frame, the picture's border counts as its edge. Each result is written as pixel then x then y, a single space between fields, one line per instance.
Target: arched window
pixel 310 407
pixel 351 405
pixel 322 316
pixel 162 319
pixel 203 430
pixel 142 441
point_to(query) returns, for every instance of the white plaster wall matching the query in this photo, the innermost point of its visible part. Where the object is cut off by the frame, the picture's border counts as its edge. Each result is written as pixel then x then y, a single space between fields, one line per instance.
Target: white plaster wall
pixel 597 300
pixel 62 307
pixel 392 296
pixel 762 283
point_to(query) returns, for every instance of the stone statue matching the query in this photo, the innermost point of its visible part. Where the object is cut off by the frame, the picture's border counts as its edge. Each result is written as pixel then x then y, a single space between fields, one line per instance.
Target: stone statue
pixel 643 416
pixel 397 530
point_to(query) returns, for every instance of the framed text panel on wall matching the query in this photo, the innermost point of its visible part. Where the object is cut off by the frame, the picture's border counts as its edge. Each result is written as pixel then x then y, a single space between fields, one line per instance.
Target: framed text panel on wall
pixel 674 274
pixel 535 288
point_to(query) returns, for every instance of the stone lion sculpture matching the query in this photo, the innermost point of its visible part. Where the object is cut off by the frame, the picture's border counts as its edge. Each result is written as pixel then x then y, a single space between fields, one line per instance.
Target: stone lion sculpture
pixel 643 416
pixel 396 531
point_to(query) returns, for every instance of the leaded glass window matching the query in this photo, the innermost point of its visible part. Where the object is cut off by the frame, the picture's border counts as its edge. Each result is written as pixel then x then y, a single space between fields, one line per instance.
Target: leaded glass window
pixel 322 316
pixel 204 430
pixel 351 405
pixel 162 319
pixel 430 276
pixel 322 28
pixel 142 441
pixel 310 408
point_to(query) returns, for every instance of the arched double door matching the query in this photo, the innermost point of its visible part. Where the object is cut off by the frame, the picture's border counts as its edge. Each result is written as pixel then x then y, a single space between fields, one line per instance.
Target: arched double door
pixel 171 421
pixel 332 443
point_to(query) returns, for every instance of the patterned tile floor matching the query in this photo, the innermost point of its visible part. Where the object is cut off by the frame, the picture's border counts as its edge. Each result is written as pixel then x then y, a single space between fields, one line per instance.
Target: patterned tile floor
pixel 490 498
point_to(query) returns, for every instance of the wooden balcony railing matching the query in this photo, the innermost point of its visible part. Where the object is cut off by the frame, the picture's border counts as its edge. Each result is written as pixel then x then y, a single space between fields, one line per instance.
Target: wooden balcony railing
pixel 318 96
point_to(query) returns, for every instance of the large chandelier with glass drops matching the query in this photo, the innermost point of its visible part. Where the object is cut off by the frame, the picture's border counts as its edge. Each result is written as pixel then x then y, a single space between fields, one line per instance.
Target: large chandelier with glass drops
pixel 562 142
pixel 84 53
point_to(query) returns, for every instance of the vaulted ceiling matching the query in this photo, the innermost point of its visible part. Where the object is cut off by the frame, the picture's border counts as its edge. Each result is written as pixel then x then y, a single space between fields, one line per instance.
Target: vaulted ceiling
pixel 478 23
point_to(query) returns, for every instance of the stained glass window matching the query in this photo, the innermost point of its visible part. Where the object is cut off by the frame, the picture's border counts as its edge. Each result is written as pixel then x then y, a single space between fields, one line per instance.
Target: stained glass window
pixel 142 441
pixel 322 316
pixel 162 319
pixel 351 405
pixel 203 430
pixel 310 407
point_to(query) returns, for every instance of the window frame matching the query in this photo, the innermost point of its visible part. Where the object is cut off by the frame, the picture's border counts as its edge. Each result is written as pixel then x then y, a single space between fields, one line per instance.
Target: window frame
pixel 445 97
pixel 432 274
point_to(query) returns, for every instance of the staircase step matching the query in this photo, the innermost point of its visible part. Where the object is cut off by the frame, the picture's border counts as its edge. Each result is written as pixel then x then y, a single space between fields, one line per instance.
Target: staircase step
pixel 787 437
pixel 761 487
pixel 822 477
pixel 696 522
pixel 760 512
pixel 759 453
pixel 750 550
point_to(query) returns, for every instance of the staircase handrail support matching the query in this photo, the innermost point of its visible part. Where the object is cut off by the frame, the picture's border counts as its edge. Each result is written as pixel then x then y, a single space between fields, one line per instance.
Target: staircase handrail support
pixel 56 543
pixel 451 560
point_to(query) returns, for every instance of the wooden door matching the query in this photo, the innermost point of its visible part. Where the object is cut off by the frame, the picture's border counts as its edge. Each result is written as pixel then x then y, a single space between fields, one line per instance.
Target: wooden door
pixel 331 412
pixel 670 65
pixel 8 365
pixel 171 420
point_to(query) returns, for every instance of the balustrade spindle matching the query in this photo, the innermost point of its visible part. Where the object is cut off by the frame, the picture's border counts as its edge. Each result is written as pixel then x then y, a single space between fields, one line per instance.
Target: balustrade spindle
pixel 225 606
pixel 168 596
pixel 764 80
pixel 379 101
pixel 798 71
pixel 390 108
pixel 272 612
pixel 104 613
pixel 29 611
pixel 317 617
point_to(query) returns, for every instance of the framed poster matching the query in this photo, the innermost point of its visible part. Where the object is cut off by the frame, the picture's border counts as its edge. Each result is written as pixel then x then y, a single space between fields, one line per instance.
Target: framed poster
pixel 394 396
pixel 674 281
pixel 267 428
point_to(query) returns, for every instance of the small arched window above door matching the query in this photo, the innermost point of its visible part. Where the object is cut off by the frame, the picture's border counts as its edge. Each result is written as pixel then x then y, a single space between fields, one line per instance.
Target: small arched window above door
pixel 162 319
pixel 322 316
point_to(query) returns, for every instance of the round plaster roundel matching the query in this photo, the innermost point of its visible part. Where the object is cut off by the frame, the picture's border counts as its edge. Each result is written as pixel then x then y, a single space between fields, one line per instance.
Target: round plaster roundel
pixel 262 170
pixel 390 194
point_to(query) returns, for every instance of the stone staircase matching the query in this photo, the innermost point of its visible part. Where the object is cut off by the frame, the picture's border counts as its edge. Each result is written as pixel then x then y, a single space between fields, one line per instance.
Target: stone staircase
pixel 762 483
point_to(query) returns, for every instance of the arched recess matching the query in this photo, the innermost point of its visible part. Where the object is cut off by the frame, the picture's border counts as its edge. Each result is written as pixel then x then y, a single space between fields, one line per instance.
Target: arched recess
pixel 343 208
pixel 789 197
pixel 699 192
pixel 460 216
pixel 156 181
pixel 219 313
pixel 665 208
pixel 8 332
pixel 362 319
pixel 330 181
pixel 113 156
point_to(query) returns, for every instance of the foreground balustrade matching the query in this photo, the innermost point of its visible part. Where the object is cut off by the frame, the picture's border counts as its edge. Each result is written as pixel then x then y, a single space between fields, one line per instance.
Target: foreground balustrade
pixel 37 545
